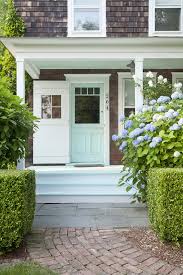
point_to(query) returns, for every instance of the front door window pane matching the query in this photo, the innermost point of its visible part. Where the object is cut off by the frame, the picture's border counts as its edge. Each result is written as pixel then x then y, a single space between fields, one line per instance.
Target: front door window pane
pixel 167 19
pixel 56 112
pixel 87 109
pixel 56 100
pixel 86 20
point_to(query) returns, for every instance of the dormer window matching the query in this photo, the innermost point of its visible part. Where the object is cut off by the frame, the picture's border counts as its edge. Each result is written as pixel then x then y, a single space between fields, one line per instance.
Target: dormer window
pixel 86 18
pixel 165 18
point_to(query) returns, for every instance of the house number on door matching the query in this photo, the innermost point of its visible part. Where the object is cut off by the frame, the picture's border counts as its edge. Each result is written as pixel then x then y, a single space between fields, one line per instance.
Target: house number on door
pixel 107 102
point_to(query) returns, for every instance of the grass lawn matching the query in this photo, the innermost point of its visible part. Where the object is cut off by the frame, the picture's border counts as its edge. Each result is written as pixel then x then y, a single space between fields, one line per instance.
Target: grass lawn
pixel 25 269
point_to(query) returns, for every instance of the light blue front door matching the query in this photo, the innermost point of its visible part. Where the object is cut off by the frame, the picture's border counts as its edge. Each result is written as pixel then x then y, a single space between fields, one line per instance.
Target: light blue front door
pixel 87 133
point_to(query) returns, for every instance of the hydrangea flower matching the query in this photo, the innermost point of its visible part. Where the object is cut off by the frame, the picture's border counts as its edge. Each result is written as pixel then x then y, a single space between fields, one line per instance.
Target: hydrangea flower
pixel 152 102
pixel 124 133
pixel 123 145
pixel 157 139
pixel 135 143
pixel 161 109
pixel 177 95
pixel 157 117
pixel 142 125
pixel 122 118
pixel 131 115
pixel 174 127
pixel 128 124
pixel 147 138
pixel 146 108
pixel 136 132
pixel 150 83
pixel 149 74
pixel 180 122
pixel 160 79
pixel 115 138
pixel 163 99
pixel 152 144
pixel 176 154
pixel 178 86
pixel 165 80
pixel 171 114
pixel 140 138
pixel 150 127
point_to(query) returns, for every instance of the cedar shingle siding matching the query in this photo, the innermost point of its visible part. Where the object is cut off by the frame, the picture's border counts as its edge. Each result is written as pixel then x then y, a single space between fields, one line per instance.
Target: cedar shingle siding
pixel 44 18
pixel 127 18
pixel 48 18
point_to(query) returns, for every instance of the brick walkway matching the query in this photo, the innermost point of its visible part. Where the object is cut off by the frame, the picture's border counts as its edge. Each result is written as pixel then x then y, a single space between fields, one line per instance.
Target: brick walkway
pixel 90 251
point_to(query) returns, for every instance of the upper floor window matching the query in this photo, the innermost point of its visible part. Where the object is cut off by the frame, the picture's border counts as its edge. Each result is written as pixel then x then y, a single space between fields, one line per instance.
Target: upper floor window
pixel 165 18
pixel 87 18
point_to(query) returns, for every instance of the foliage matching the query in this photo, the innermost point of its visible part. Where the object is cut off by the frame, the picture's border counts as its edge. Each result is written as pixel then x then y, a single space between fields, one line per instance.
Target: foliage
pixel 165 207
pixel 153 88
pixel 16 122
pixel 3 6
pixel 151 138
pixel 17 205
pixel 11 25
pixel 25 269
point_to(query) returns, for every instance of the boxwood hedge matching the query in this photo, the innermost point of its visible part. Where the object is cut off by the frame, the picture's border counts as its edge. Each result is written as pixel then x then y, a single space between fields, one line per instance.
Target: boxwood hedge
pixel 17 206
pixel 165 202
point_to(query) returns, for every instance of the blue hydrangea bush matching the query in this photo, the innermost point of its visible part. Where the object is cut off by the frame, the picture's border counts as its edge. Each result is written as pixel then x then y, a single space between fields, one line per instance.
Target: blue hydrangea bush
pixel 151 138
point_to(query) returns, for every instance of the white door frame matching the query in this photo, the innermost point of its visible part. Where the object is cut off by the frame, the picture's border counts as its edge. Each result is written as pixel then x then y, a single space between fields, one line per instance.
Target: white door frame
pixel 102 79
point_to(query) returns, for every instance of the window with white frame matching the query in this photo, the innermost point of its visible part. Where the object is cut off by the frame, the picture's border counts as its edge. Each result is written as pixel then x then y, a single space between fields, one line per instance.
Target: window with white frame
pixel 177 77
pixel 87 18
pixel 165 18
pixel 50 106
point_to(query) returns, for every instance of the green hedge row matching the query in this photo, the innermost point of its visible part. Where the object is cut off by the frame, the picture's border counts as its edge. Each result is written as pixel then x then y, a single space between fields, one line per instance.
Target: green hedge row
pixel 165 202
pixel 17 206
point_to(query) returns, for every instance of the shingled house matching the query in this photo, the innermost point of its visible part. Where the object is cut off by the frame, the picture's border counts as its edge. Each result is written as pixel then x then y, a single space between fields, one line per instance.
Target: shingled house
pixel 81 55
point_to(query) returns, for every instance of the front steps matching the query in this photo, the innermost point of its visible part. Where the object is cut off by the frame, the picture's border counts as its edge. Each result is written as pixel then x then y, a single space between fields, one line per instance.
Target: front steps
pixel 67 184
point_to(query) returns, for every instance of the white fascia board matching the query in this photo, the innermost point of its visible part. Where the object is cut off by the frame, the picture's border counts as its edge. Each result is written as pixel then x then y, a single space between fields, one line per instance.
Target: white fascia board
pixel 99 49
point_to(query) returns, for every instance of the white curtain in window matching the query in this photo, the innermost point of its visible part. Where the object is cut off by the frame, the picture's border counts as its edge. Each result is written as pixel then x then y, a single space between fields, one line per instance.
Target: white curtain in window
pixel 168 2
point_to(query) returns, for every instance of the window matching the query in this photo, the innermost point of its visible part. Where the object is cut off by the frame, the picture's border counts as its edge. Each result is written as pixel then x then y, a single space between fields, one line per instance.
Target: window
pixel 126 96
pixel 177 77
pixel 50 106
pixel 87 105
pixel 87 18
pixel 165 18
pixel 129 96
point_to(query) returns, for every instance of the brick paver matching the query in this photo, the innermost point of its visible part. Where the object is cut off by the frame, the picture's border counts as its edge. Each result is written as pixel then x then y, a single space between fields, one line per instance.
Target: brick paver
pixel 92 251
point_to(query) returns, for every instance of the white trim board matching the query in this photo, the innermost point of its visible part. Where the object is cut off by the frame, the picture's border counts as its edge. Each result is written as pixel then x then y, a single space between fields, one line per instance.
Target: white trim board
pixel 152 31
pixel 102 20
pixel 104 79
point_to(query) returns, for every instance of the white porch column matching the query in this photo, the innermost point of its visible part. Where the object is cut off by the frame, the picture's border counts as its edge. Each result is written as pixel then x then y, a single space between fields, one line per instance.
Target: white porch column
pixel 21 93
pixel 139 88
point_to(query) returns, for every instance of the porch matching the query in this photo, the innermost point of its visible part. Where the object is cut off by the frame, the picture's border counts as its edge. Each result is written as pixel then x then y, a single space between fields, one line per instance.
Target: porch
pixel 97 74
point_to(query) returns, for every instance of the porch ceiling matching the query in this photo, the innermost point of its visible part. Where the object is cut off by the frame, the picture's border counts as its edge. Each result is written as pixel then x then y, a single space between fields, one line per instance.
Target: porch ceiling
pixel 149 64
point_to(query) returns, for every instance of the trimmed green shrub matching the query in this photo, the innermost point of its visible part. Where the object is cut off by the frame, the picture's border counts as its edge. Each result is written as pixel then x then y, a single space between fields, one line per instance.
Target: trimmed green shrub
pixel 165 202
pixel 17 206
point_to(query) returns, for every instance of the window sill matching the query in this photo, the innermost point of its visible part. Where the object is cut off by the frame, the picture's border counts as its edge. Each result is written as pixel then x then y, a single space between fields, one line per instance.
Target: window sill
pixel 86 34
pixel 167 34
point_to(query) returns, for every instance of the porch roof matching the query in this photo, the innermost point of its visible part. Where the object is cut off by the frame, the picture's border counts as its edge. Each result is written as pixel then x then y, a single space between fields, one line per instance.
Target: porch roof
pixel 92 53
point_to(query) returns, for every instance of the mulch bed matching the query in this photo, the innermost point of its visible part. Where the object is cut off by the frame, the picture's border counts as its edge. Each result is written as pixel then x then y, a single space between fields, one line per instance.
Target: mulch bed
pixel 16 255
pixel 147 240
